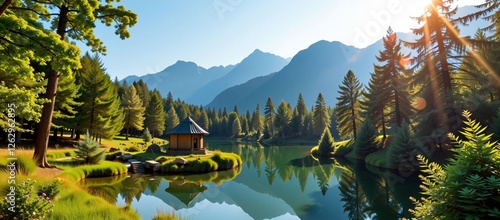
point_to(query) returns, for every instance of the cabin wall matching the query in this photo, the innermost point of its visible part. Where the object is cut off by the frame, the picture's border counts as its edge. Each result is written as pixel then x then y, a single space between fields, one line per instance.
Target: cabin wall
pixel 173 141
pixel 184 142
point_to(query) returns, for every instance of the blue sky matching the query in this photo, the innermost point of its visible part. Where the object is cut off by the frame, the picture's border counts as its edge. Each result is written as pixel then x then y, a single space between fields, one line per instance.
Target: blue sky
pixel 222 32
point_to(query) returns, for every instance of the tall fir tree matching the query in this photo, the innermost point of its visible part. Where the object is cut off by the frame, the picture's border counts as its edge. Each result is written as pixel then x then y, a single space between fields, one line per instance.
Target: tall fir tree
pixel 321 117
pixel 100 113
pixel 134 110
pixel 269 115
pixel 348 106
pixel 439 49
pixel 283 118
pixel 171 119
pixel 257 122
pixel 155 115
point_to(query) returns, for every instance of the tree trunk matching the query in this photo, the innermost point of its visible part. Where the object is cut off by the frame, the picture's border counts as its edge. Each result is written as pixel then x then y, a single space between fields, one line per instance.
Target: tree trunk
pixel 55 135
pixel 4 6
pixel 72 133
pixel 77 135
pixel 42 140
pixel 353 122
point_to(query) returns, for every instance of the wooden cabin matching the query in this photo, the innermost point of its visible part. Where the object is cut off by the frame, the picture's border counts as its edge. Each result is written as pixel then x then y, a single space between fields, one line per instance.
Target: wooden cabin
pixel 187 136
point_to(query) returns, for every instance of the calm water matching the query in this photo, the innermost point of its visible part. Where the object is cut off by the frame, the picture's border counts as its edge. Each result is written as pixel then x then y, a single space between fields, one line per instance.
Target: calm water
pixel 274 183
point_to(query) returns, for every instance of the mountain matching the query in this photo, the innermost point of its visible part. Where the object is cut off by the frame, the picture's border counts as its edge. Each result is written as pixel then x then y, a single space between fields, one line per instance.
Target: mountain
pixel 319 68
pixel 182 79
pixel 257 64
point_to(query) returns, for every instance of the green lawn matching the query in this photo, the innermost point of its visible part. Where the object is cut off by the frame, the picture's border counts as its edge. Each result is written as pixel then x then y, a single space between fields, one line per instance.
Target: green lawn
pixel 120 142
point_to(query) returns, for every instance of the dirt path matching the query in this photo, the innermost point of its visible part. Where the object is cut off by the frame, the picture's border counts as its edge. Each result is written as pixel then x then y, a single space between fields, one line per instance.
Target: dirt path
pixel 47 173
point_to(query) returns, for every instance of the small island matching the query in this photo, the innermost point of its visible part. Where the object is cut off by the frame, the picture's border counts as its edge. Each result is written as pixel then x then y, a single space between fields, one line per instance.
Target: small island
pixel 185 154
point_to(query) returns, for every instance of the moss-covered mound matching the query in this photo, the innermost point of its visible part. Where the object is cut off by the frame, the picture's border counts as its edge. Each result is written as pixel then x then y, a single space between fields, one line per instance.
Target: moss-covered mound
pixel 201 164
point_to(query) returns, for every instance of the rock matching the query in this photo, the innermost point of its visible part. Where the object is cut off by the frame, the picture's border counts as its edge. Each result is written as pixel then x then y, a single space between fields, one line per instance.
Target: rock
pixel 114 149
pixel 180 160
pixel 153 148
pixel 126 157
pixel 162 159
pixel 150 164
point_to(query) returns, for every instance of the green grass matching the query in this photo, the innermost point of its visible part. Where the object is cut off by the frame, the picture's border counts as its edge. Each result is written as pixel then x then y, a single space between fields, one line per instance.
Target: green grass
pixel 120 142
pixel 162 215
pixel 341 148
pixel 103 169
pixel 75 203
pixel 200 164
pixel 378 158
pixel 24 163
pixel 60 154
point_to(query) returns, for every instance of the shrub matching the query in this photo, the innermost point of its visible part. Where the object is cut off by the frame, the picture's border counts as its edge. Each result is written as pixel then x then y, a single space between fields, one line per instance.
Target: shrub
pixel 466 188
pixel 133 149
pixel 112 156
pixel 27 204
pixel 88 151
pixel 61 154
pixel 365 141
pixel 50 190
pixel 401 150
pixel 146 136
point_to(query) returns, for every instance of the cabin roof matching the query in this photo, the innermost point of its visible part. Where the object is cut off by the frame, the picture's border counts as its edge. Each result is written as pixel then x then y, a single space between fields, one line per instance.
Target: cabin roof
pixel 187 126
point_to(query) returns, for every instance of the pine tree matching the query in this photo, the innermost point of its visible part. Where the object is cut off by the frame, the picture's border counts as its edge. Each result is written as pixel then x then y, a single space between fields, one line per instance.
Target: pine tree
pixel 171 120
pixel 236 127
pixel 348 106
pixel 88 151
pixel 146 136
pixel 134 110
pixel 257 122
pixel 283 118
pixel 386 100
pixel 100 113
pixel 66 105
pixel 73 20
pixel 439 48
pixel 145 95
pixel 321 117
pixel 401 148
pixel 155 115
pixel 366 142
pixel 270 114
pixel 326 145
pixel 203 121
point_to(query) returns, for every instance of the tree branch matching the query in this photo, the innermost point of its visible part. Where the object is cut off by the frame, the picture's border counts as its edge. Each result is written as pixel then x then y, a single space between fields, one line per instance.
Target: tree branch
pixel 4 6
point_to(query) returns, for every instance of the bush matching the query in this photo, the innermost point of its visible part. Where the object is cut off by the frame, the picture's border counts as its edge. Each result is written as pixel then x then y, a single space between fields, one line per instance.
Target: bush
pixel 133 149
pixel 401 150
pixel 112 156
pixel 365 141
pixel 50 190
pixel 466 188
pixel 27 204
pixel 146 136
pixel 88 151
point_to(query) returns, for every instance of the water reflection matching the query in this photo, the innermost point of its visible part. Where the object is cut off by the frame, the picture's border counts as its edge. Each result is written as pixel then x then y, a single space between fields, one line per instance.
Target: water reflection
pixel 274 182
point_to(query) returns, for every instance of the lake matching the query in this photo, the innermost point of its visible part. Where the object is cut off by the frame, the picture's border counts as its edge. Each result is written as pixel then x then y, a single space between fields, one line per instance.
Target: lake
pixel 276 182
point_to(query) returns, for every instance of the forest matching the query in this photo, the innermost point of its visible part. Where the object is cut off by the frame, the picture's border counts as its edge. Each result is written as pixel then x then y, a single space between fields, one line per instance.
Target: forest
pixel 416 107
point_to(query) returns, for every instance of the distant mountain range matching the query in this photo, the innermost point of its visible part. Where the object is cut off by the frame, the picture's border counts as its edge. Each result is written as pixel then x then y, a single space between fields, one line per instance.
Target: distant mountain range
pixel 256 64
pixel 318 68
pixel 182 78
